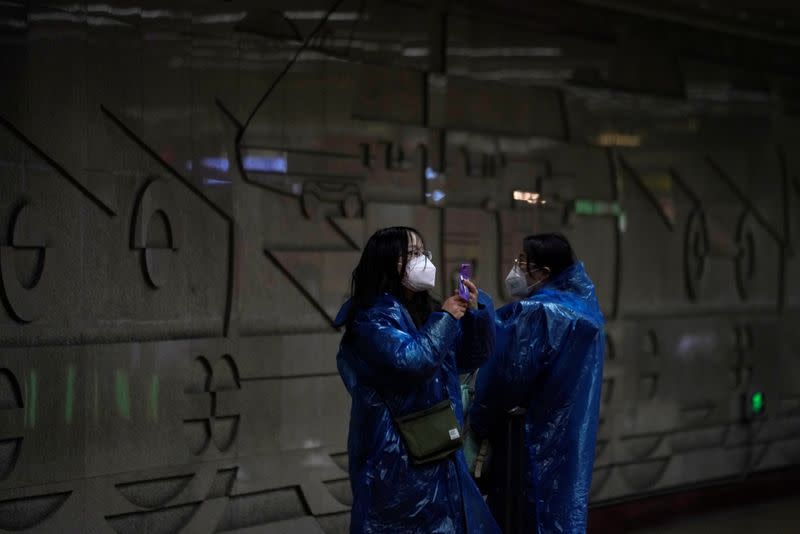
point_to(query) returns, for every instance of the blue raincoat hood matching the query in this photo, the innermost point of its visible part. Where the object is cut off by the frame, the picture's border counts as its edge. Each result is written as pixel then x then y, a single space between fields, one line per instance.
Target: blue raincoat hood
pixel 386 362
pixel 548 359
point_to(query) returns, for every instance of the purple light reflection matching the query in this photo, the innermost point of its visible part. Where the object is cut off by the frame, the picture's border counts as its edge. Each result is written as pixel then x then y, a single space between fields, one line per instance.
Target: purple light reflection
pixel 273 164
pixel 220 164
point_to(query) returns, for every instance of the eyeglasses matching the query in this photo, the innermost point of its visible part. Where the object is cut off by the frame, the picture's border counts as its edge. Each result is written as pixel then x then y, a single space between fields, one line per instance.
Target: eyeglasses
pixel 417 252
pixel 531 266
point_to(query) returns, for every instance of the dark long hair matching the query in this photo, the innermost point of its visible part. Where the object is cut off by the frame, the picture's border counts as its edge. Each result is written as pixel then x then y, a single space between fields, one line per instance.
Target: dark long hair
pixel 548 250
pixel 377 273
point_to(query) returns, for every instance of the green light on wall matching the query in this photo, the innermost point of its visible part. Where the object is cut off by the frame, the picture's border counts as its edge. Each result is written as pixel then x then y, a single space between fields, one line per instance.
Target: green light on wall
pixel 584 206
pixel 757 402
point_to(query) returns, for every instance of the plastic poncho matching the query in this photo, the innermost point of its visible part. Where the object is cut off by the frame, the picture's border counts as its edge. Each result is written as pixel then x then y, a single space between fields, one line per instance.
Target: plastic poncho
pixel 549 360
pixel 384 358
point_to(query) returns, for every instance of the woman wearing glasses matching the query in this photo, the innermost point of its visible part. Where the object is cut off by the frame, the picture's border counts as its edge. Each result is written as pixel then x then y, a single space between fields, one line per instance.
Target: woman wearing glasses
pixel 537 399
pixel 400 358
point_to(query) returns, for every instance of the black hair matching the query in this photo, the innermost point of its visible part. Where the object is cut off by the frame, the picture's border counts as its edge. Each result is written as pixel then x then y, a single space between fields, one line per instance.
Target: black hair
pixel 548 250
pixel 377 273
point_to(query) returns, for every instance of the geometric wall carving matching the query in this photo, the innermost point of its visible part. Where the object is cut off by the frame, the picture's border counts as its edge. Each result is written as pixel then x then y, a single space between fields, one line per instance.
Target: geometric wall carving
pixel 650 343
pixel 610 352
pixel 163 521
pixel 747 259
pixel 157 231
pixel 262 507
pixel 342 460
pixel 223 431
pixel 352 230
pixel 9 453
pixel 744 337
pixel 345 198
pixel 641 447
pixel 335 523
pixel 316 275
pixel 704 438
pixel 198 434
pixel 644 475
pixel 648 386
pixel 211 392
pixel 11 404
pixel 151 437
pixel 696 250
pixel 600 477
pixel 10 392
pixel 22 291
pixel 789 406
pixel 223 483
pixel 341 490
pixel 790 449
pixel 154 493
pixel 696 414
pixel 608 390
pixel 28 512
pixel 599 449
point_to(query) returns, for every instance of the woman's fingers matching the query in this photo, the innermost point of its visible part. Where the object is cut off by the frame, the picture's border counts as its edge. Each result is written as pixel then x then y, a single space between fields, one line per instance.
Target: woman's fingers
pixel 455 306
pixel 473 293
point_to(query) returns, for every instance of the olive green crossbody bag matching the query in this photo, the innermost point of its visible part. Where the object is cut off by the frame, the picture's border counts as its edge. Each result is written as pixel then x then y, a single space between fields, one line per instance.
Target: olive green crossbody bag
pixel 430 434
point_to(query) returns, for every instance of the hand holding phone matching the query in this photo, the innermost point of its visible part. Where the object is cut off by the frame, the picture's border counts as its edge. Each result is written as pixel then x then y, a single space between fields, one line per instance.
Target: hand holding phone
pixel 464 273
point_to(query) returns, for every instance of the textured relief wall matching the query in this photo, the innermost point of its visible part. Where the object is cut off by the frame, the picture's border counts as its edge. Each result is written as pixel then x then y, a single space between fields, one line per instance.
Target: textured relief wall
pixel 185 188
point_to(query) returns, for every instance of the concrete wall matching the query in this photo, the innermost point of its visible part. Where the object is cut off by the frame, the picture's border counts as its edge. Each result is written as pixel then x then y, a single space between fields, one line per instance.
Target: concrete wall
pixel 179 216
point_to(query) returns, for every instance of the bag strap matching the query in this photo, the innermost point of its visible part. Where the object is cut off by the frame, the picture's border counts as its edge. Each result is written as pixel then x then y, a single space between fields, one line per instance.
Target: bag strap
pixel 389 407
pixel 470 379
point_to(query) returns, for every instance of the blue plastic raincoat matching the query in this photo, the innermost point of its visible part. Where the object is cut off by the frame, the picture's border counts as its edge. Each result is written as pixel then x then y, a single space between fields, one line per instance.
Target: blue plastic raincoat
pixel 549 360
pixel 384 358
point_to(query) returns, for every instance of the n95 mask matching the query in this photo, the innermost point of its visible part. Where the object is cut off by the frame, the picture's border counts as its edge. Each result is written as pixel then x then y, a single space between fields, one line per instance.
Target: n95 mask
pixel 420 274
pixel 517 284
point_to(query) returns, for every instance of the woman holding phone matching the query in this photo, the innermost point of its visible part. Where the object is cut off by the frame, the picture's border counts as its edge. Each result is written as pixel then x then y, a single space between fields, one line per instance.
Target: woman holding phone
pixel 400 358
pixel 538 398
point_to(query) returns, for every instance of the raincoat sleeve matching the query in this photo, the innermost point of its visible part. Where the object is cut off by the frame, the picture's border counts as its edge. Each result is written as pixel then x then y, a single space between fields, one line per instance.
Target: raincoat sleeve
pixel 476 341
pixel 506 380
pixel 401 356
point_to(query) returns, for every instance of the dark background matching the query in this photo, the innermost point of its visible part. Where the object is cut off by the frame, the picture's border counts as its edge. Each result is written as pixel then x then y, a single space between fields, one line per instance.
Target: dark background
pixel 182 202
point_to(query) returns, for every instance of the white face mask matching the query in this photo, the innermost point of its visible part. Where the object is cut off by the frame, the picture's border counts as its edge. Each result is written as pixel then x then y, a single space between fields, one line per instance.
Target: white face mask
pixel 420 274
pixel 517 284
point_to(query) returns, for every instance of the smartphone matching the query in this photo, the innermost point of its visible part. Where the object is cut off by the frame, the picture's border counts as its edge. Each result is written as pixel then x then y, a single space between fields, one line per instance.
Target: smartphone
pixel 464 273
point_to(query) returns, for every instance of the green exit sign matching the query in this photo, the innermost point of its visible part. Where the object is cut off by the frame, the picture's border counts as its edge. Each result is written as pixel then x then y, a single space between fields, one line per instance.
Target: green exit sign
pixel 753 405
pixel 757 403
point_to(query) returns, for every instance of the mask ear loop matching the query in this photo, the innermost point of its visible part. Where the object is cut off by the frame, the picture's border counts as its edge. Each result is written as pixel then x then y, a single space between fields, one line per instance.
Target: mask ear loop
pixel 530 272
pixel 540 282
